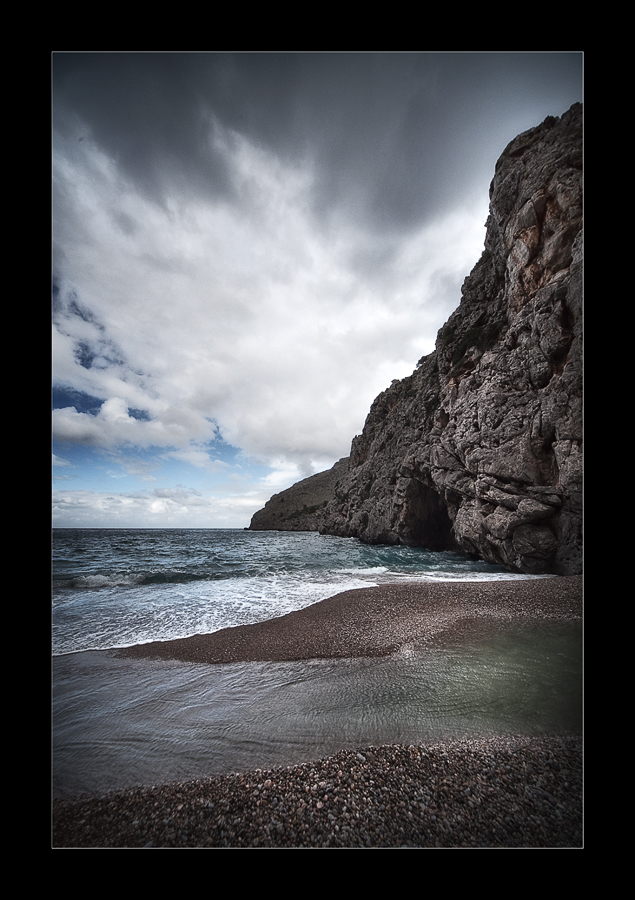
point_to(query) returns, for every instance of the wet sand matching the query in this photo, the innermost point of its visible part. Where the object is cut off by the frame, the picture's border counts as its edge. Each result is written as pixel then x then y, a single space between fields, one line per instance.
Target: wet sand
pixel 377 621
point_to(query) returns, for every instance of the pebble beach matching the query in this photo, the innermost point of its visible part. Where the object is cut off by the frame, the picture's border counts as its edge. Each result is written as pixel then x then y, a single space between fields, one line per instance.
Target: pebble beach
pixel 497 793
pixel 508 791
pixel 380 620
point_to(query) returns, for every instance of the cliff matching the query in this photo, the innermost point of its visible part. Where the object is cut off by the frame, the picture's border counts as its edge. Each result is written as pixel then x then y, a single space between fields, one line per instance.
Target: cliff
pixel 480 449
pixel 302 506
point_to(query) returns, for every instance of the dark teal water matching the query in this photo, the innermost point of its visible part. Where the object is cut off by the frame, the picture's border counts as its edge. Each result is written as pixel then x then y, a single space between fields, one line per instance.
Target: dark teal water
pixel 118 587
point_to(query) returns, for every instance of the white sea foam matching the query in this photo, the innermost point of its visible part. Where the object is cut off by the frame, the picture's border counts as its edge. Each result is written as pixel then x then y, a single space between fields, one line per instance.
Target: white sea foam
pixel 123 588
pixel 95 582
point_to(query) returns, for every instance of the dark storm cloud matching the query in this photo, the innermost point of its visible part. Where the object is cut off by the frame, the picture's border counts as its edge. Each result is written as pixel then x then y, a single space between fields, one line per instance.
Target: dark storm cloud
pixel 393 137
pixel 149 112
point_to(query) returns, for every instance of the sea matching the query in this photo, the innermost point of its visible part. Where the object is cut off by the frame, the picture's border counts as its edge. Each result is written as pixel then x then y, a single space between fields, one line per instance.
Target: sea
pixel 120 722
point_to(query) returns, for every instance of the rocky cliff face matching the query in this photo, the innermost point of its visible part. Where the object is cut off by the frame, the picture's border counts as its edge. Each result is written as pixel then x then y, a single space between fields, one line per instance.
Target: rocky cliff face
pixel 480 449
pixel 302 506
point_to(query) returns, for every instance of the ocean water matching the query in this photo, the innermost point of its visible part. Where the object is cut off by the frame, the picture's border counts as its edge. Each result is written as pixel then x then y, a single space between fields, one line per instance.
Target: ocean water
pixel 118 587
pixel 120 722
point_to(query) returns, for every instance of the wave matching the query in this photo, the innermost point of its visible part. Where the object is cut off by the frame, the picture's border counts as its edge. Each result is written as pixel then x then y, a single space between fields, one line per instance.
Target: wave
pixel 128 580
pixel 162 586
pixel 133 579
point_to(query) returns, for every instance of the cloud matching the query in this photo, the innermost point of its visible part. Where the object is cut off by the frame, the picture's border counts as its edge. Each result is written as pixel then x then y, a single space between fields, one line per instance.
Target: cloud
pixel 200 459
pixel 160 508
pixel 250 247
pixel 58 461
pixel 391 137
pixel 246 318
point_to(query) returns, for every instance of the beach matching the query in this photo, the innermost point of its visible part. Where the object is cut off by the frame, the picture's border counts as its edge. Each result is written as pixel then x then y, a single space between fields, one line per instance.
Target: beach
pixel 496 792
pixel 379 620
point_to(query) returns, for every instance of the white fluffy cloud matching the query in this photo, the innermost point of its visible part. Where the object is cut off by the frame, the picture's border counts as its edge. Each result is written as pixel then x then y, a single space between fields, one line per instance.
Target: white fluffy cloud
pixel 158 508
pixel 248 316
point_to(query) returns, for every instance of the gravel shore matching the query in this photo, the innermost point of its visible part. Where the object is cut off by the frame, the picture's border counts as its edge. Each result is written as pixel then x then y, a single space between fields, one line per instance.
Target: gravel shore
pixel 377 621
pixel 503 792
pixel 497 793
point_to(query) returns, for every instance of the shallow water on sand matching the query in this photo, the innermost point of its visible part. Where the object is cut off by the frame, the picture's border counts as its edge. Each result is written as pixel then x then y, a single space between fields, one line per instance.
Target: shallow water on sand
pixel 120 722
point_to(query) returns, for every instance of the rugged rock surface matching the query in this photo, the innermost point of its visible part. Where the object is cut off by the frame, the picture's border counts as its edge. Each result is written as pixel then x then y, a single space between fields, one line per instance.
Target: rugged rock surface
pixel 302 506
pixel 480 449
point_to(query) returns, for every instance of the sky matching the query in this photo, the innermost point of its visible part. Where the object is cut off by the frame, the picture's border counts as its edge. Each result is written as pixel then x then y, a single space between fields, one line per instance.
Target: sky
pixel 247 248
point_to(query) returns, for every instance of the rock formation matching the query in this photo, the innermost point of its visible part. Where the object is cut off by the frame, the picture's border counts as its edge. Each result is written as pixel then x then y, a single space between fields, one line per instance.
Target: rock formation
pixel 302 506
pixel 480 449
